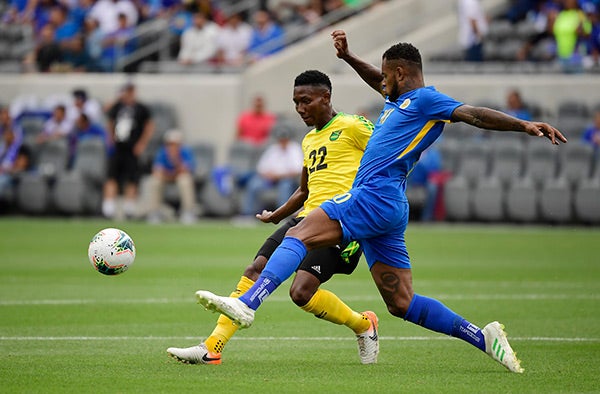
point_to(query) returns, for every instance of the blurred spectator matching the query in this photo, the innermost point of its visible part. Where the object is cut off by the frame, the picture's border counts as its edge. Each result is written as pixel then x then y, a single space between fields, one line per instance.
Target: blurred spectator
pixel 519 9
pixel 174 163
pixel 267 36
pixel 58 126
pixel 594 41
pixel 14 157
pixel 472 29
pixel 93 42
pixel 65 29
pixel 334 5
pixel 106 12
pixel 209 8
pixel 19 11
pixel 41 13
pixel 82 130
pixel 278 168
pixel 515 105
pixel 149 9
pixel 75 56
pixel 130 127
pixel 199 42
pixel 422 190
pixel 78 12
pixel 254 125
pixel 178 23
pixel 83 104
pixel 591 135
pixel 234 39
pixel 571 28
pixel 47 52
pixel 117 44
pixel 308 14
pixel 542 18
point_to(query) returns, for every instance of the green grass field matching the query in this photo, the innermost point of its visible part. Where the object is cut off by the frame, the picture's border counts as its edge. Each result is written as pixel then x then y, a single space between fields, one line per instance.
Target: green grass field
pixel 65 328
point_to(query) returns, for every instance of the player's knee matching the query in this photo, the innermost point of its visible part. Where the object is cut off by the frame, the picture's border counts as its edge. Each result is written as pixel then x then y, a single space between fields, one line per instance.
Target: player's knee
pixel 395 311
pixel 254 270
pixel 398 308
pixel 294 232
pixel 301 295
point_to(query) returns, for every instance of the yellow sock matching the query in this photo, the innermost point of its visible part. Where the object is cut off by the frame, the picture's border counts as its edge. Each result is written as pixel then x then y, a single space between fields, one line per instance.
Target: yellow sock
pixel 225 328
pixel 326 305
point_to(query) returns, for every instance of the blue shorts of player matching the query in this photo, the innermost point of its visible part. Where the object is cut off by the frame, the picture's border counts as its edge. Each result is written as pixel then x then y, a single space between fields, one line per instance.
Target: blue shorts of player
pixel 377 218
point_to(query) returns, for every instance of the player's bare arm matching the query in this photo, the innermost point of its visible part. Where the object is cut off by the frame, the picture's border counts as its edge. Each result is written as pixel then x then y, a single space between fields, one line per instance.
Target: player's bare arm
pixel 293 203
pixel 368 72
pixel 486 118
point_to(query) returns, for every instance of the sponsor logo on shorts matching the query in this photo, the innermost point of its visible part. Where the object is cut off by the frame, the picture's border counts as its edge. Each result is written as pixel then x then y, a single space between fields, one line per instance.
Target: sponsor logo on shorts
pixel 316 268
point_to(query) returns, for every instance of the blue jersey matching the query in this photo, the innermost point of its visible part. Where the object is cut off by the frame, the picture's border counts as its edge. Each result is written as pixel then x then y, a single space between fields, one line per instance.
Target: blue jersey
pixel 405 128
pixel 375 210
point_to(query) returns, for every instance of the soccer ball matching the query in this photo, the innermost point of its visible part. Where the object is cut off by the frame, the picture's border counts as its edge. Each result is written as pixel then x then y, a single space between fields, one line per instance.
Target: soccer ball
pixel 111 251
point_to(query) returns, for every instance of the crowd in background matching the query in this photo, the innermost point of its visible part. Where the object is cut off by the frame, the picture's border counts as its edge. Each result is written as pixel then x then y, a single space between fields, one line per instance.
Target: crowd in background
pixel 92 35
pixel 564 30
pixel 125 126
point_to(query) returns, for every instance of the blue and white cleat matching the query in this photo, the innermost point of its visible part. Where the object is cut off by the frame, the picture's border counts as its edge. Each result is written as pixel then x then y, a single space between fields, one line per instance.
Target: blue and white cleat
pixel 240 313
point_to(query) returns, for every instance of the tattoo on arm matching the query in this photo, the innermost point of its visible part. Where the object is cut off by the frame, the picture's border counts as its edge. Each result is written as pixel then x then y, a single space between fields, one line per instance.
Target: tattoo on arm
pixel 486 118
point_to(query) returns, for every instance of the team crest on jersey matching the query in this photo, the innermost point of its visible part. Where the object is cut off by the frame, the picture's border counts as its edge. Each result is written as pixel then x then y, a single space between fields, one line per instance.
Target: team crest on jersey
pixel 405 103
pixel 335 135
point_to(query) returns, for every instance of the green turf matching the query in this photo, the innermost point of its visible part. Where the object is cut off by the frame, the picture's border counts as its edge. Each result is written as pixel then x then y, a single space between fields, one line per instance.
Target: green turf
pixel 65 328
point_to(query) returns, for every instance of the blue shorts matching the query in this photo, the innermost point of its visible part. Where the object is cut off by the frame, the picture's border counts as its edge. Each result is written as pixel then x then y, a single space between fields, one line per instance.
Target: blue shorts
pixel 375 218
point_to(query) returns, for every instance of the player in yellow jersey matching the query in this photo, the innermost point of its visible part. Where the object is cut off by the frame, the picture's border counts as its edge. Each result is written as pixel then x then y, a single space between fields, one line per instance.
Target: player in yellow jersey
pixel 332 152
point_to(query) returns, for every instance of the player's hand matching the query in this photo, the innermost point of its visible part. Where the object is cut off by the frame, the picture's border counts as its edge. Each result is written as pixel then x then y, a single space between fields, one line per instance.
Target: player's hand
pixel 541 129
pixel 267 217
pixel 340 43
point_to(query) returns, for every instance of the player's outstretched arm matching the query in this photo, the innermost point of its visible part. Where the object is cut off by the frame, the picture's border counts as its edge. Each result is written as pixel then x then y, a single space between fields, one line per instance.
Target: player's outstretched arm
pixel 293 203
pixel 486 118
pixel 369 73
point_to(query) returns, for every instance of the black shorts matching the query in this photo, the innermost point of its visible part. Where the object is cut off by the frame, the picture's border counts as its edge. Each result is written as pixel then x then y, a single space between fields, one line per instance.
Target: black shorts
pixel 123 166
pixel 323 263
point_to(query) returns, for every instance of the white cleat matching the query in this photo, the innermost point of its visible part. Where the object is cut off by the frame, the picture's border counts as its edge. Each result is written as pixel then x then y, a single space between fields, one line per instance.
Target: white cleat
pixel 240 313
pixel 368 341
pixel 496 345
pixel 198 354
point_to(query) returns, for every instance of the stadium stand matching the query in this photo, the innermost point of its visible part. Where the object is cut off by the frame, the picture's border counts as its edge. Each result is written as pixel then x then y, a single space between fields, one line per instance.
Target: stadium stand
pixel 33 196
pixel 507 159
pixel 487 200
pixel 522 201
pixel 457 199
pixel 556 201
pixel 587 200
pixel 474 160
pixel 496 176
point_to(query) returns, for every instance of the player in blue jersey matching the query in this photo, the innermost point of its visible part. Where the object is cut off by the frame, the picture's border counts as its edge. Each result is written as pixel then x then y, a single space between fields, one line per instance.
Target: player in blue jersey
pixel 375 210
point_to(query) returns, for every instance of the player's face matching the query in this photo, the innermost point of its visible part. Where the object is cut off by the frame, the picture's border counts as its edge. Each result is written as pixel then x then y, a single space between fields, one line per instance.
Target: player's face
pixel 389 73
pixel 313 105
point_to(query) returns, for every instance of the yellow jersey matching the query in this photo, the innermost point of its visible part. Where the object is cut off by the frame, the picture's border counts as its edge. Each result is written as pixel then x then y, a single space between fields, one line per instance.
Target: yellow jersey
pixel 332 156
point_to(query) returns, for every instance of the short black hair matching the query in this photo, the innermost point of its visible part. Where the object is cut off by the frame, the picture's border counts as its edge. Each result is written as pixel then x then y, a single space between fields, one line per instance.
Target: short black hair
pixel 404 51
pixel 80 94
pixel 313 78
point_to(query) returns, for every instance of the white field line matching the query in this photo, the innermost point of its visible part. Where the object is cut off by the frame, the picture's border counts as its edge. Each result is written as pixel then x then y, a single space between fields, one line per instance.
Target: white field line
pixel 150 301
pixel 187 338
